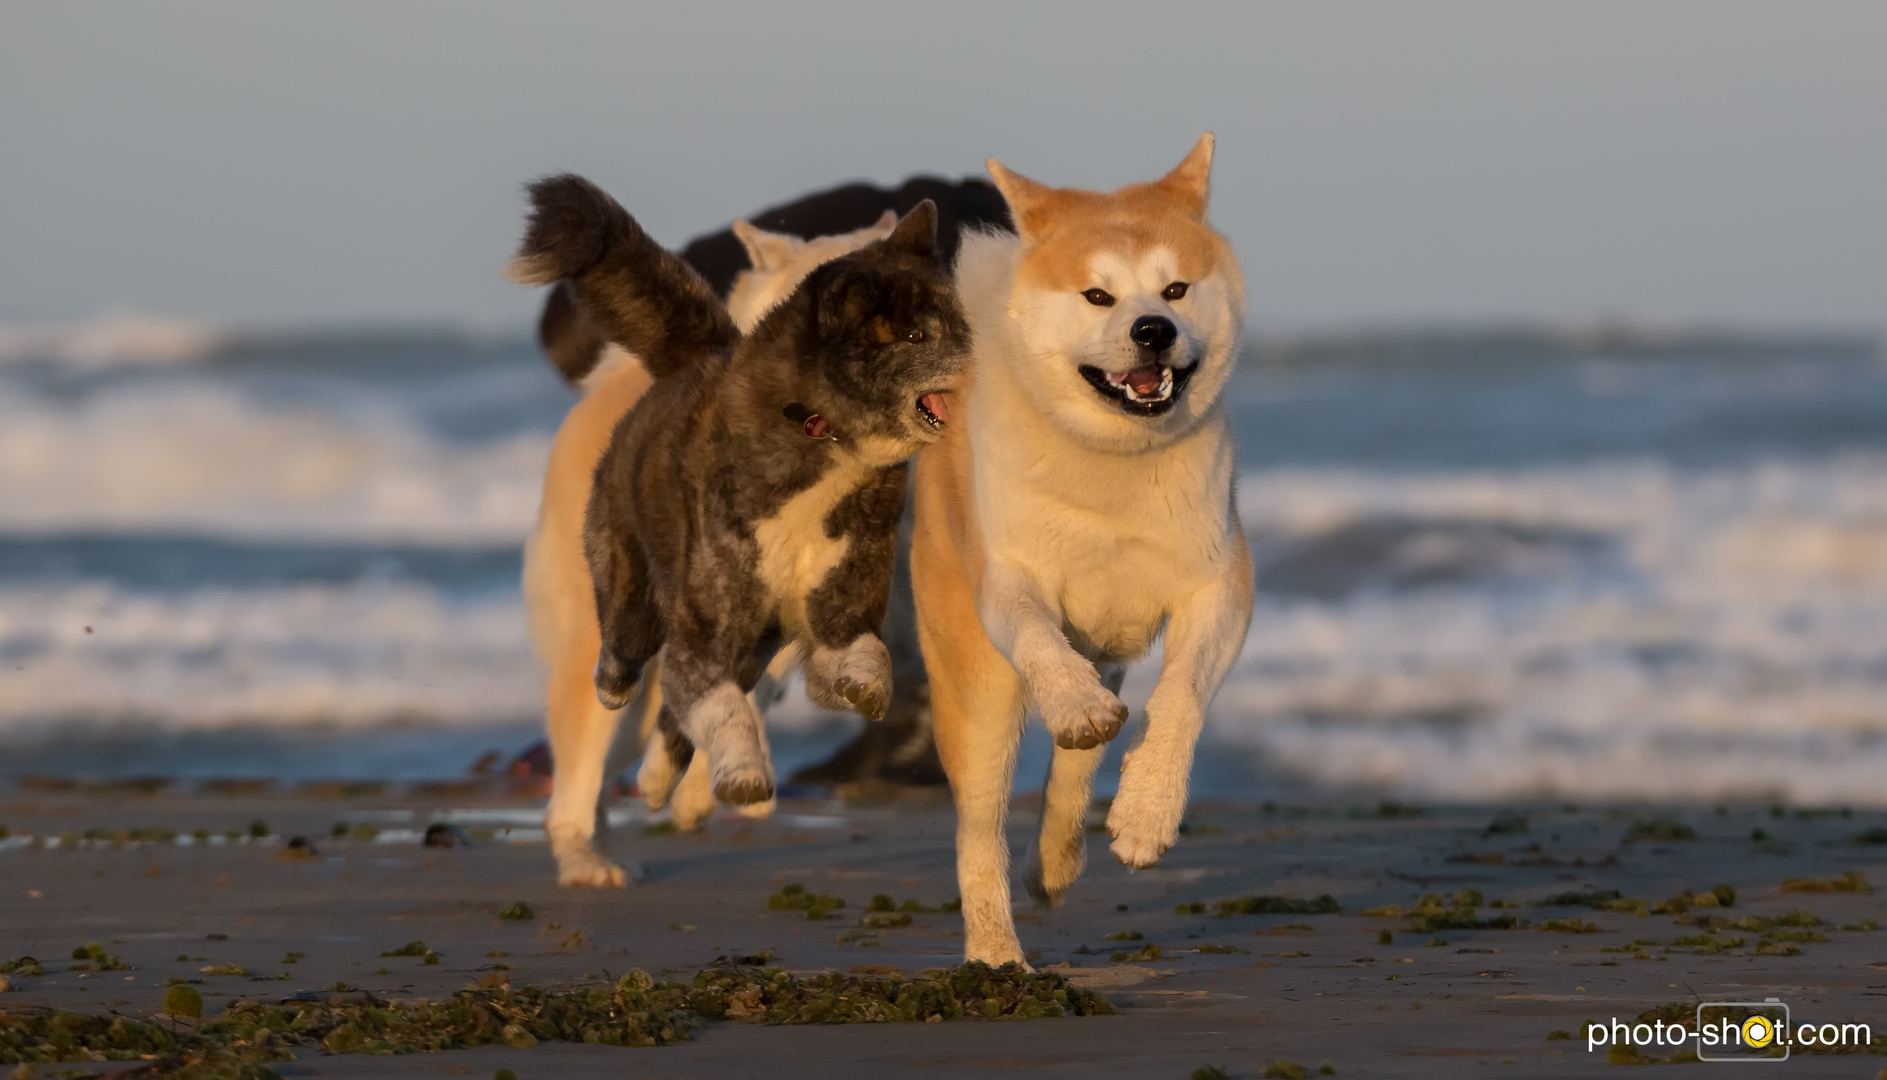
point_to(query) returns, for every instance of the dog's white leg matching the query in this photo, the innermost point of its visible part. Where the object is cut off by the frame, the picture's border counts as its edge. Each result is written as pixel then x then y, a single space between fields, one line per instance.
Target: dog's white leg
pixel 856 677
pixel 979 728
pixel 1065 688
pixel 582 733
pixel 760 811
pixel 1203 638
pixel 694 796
pixel 722 724
pixel 1061 844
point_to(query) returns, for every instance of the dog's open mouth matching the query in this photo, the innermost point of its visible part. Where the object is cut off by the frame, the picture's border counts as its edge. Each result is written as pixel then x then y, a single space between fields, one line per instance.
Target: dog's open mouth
pixel 1148 390
pixel 934 409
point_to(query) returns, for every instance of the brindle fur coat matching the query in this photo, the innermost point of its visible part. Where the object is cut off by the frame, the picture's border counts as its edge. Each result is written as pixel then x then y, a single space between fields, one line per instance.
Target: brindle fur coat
pixel 719 529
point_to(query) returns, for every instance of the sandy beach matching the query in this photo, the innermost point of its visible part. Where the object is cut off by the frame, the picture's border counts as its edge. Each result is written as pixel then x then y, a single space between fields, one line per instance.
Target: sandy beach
pixel 1303 987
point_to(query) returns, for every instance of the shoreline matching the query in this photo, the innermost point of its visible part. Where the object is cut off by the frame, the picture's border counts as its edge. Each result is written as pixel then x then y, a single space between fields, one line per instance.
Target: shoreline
pixel 1287 982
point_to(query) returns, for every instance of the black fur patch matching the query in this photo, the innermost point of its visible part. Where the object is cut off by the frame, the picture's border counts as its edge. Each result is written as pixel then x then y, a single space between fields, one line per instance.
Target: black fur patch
pixel 574 346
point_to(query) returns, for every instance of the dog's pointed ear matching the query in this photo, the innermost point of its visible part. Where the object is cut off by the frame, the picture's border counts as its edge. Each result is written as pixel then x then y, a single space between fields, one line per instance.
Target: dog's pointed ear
pixel 885 223
pixel 916 232
pixel 1191 182
pixel 1027 199
pixel 766 250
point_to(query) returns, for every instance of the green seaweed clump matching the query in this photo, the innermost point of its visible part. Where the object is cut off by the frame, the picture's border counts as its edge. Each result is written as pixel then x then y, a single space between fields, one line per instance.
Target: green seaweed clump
pixel 1278 905
pixel 1659 830
pixel 1569 926
pixel 411 948
pixel 1149 951
pixel 41 1035
pixel 182 999
pixel 1592 898
pixel 1851 882
pixel 1709 943
pixel 973 990
pixel 518 912
pixel 93 957
pixel 794 897
pixel 1431 914
pixel 24 966
pixel 634 1011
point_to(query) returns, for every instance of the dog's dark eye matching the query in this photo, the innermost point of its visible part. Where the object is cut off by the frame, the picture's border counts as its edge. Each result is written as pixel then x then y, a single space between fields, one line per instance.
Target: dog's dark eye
pixel 1174 291
pixel 914 336
pixel 1099 297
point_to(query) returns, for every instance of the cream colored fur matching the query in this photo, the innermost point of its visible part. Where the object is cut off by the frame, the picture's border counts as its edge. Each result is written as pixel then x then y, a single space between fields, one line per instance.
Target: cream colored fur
pixel 588 742
pixel 1057 537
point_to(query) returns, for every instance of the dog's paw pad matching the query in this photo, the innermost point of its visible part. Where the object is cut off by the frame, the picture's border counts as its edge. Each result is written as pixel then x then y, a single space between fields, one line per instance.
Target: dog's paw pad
pixel 590 871
pixel 866 699
pixel 743 789
pixel 1081 713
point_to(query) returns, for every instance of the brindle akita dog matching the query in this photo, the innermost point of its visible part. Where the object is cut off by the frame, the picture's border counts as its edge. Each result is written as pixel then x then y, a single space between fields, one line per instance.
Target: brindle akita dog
pixel 752 497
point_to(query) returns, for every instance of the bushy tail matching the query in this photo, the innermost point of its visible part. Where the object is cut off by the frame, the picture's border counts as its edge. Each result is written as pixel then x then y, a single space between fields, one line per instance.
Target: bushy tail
pixel 573 346
pixel 630 288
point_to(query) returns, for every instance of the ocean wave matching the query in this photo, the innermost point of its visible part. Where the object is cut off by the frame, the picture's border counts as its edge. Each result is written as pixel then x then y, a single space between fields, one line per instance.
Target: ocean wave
pixel 191 456
pixel 357 655
pixel 115 339
pixel 1710 634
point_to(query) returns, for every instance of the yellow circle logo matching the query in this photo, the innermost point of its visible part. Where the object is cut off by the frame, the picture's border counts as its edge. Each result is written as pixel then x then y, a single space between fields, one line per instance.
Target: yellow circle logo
pixel 1758 1032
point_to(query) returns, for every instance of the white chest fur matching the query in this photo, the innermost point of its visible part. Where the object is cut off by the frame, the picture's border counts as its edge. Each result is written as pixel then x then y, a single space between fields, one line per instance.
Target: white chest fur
pixel 1114 540
pixel 796 555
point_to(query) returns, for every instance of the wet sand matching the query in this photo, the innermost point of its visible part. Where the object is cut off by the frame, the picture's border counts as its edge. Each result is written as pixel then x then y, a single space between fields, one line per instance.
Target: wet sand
pixel 1305 988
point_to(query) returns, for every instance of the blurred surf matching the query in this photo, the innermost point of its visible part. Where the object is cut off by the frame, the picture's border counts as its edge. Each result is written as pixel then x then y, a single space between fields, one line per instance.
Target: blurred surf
pixel 1502 565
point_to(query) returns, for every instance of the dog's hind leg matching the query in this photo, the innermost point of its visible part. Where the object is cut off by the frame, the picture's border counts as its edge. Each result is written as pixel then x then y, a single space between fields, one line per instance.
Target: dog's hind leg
pixel 1061 845
pixel 1203 637
pixel 582 732
pixel 669 757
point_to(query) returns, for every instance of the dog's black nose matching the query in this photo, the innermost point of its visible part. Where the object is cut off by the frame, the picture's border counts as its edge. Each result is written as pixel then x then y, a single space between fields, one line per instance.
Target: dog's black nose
pixel 1156 332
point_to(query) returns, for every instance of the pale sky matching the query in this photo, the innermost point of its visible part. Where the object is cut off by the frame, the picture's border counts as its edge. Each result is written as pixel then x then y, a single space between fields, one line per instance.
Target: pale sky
pixel 1390 163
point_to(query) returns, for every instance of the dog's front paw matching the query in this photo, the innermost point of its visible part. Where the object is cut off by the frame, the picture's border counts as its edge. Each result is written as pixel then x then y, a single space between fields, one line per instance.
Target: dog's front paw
pixel 615 681
pixel 857 677
pixel 581 866
pixel 1144 824
pixel 694 797
pixel 742 774
pixel 1076 709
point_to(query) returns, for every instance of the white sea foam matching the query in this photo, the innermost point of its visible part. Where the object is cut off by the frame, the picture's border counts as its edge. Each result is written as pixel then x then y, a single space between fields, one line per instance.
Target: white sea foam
pixel 356 655
pixel 194 457
pixel 1730 640
pixel 115 339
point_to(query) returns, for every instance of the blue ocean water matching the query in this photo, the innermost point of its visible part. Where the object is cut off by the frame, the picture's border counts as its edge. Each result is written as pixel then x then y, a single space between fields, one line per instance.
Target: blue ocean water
pixel 1501 564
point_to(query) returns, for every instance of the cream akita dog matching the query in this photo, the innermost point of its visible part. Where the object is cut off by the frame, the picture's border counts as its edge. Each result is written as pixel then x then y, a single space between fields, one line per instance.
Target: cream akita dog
pixel 587 746
pixel 1080 504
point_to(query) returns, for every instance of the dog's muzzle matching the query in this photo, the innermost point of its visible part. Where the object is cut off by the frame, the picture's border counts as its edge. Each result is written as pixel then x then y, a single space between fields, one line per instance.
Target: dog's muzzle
pixel 1153 388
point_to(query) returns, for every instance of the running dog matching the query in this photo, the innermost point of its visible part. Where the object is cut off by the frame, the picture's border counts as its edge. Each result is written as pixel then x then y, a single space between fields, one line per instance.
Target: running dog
pixel 585 740
pixel 751 498
pixel 1081 505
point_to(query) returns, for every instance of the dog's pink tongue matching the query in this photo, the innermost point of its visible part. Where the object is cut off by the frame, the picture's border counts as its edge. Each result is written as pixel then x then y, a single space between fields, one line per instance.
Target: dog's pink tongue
pixel 1144 380
pixel 939 405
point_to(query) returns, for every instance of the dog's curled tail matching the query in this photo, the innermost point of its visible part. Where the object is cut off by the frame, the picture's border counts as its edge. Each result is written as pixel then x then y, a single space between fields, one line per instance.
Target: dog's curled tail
pixel 630 288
